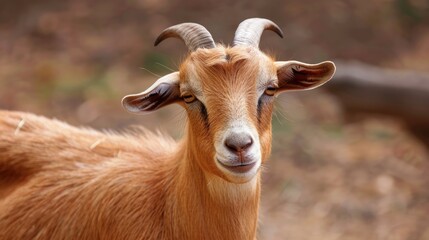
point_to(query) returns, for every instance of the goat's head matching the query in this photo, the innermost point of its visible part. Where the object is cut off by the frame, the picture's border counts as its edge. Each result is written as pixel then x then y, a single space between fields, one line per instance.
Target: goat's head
pixel 228 93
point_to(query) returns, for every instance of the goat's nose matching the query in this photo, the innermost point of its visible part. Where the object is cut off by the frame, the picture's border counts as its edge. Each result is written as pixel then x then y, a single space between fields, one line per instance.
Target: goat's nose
pixel 238 142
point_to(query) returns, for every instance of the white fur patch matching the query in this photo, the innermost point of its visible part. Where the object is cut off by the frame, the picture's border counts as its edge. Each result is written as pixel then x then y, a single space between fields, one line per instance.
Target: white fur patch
pixel 223 154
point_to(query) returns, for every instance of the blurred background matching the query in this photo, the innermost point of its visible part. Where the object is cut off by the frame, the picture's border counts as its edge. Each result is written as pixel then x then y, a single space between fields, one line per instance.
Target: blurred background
pixel 350 160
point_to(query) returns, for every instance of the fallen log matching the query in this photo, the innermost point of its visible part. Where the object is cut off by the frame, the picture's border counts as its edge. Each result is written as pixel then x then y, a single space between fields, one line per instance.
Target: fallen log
pixel 362 88
pixel 365 88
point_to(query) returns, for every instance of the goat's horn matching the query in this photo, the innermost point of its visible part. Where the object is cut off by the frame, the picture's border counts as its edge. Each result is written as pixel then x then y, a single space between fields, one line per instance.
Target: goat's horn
pixel 194 35
pixel 250 30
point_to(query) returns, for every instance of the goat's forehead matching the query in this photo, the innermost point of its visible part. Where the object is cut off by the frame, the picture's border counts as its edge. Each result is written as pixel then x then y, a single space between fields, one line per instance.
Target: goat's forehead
pixel 221 66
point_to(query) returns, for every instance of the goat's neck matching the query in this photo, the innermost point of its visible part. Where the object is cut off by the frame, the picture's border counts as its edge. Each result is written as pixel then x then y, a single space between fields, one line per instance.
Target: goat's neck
pixel 208 206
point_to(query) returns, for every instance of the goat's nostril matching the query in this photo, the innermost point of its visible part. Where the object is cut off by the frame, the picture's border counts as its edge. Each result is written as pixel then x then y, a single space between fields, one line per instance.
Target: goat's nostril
pixel 238 143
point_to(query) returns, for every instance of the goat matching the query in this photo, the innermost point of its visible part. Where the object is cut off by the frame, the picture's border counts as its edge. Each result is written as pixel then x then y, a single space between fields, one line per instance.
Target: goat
pixel 63 182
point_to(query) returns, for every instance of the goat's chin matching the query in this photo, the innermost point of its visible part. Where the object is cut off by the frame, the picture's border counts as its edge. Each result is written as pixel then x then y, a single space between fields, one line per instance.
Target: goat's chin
pixel 240 179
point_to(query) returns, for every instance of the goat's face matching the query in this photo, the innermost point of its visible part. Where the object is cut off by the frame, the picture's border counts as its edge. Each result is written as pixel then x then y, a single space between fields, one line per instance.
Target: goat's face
pixel 228 94
pixel 229 100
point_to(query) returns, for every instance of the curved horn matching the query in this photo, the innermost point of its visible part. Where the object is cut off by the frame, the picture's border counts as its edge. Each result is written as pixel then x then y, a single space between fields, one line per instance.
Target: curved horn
pixel 194 35
pixel 250 30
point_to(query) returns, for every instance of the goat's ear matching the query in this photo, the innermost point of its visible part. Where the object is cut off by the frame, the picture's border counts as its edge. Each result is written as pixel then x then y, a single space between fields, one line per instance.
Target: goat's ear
pixel 294 75
pixel 163 92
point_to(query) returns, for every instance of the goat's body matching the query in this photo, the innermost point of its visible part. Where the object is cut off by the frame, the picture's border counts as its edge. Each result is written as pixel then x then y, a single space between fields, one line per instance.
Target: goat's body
pixel 62 182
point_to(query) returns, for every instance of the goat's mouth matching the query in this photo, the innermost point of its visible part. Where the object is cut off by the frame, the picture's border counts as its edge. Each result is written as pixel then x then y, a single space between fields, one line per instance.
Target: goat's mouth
pixel 239 167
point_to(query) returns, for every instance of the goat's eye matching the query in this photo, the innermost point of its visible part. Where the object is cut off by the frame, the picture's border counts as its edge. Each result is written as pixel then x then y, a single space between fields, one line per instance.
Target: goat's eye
pixel 270 91
pixel 188 98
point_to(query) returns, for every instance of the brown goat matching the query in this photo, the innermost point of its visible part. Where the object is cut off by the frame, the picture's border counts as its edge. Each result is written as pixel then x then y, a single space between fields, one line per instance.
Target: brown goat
pixel 62 182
